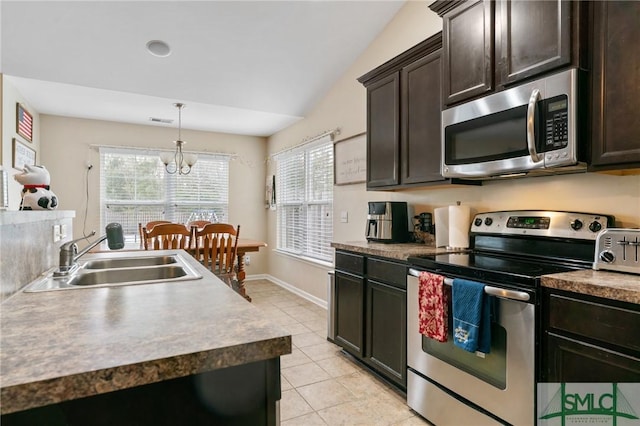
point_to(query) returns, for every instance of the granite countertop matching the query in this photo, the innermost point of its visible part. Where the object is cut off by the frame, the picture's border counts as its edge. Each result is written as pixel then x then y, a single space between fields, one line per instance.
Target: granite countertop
pixel 399 251
pixel 606 284
pixel 68 344
pixel 609 285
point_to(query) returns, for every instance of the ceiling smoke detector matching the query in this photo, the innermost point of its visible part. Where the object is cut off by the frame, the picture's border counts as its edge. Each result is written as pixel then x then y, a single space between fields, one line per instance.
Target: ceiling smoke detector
pixel 158 48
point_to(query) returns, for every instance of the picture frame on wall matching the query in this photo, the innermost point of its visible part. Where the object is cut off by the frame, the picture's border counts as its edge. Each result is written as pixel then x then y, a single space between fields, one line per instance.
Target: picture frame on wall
pixel 22 154
pixel 350 160
pixel 24 123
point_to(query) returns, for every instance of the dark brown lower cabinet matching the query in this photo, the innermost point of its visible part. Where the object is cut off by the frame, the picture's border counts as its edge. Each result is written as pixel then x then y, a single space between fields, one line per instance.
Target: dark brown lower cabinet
pixel 243 395
pixel 371 313
pixel 574 361
pixel 589 339
pixel 349 312
pixel 386 338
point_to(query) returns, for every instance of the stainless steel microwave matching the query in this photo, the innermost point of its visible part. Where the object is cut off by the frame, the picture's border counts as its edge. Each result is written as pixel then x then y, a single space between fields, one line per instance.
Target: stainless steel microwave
pixel 528 129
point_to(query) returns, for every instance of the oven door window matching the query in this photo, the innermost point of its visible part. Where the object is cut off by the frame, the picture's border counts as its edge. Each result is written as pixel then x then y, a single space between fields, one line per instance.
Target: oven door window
pixel 492 368
pixel 497 136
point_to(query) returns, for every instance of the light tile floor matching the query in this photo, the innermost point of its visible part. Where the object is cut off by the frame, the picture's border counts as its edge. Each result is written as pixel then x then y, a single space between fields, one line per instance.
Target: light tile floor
pixel 321 385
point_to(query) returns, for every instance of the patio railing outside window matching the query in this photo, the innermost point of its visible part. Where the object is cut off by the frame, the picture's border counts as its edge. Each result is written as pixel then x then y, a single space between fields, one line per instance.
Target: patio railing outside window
pixel 135 188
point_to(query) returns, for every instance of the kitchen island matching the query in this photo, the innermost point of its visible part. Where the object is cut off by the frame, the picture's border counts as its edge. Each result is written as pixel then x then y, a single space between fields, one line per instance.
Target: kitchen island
pixel 82 344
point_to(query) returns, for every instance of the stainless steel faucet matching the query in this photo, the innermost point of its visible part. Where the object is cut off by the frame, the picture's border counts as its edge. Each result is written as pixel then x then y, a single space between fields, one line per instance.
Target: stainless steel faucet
pixel 69 251
pixel 69 254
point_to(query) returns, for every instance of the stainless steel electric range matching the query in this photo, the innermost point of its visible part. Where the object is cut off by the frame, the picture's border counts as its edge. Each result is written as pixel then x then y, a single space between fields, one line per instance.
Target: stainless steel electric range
pixel 510 251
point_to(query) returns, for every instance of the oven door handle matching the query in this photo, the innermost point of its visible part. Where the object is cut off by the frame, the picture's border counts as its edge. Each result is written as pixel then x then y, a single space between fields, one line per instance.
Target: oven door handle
pixel 493 291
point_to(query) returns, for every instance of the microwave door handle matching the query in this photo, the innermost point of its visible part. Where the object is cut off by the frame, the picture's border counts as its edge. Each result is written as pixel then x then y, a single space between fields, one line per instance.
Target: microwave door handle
pixel 531 136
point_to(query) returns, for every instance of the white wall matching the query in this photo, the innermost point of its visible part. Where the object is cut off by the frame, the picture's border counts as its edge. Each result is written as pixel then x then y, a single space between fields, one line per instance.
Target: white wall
pixel 66 147
pixel 10 97
pixel 345 106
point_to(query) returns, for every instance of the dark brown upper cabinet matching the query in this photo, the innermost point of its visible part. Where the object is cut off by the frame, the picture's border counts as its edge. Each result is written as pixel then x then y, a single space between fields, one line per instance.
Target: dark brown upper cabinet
pixel 383 131
pixel 468 51
pixel 489 45
pixel 615 85
pixel 404 110
pixel 421 120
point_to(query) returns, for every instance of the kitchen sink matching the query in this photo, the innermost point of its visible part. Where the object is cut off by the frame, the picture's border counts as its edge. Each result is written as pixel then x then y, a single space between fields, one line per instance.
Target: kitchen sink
pixel 119 271
pixel 130 262
pixel 108 276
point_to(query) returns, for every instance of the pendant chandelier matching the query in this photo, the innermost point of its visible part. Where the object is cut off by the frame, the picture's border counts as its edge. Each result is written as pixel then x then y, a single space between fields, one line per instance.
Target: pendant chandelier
pixel 179 161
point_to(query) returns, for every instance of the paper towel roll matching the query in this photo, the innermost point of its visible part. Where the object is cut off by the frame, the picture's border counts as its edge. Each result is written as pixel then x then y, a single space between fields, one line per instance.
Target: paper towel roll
pixel 441 222
pixel 459 217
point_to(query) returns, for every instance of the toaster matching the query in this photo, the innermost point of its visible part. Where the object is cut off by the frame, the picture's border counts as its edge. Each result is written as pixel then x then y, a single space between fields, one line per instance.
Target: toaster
pixel 617 249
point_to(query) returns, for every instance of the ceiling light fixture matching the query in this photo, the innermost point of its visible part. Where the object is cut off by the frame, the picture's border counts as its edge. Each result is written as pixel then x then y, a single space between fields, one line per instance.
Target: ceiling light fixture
pixel 180 162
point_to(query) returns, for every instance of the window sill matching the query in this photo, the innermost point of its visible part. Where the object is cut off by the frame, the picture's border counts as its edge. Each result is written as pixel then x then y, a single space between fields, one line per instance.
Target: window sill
pixel 305 259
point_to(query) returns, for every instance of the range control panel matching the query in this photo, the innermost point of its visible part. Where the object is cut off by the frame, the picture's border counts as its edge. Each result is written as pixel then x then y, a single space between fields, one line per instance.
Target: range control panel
pixel 543 223
pixel 617 249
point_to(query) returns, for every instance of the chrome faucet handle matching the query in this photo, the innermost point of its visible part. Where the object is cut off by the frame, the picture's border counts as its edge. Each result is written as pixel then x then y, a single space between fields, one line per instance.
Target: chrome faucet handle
pixel 68 252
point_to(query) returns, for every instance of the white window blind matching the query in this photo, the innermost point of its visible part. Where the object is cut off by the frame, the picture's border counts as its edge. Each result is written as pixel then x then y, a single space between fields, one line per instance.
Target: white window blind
pixel 135 188
pixel 304 199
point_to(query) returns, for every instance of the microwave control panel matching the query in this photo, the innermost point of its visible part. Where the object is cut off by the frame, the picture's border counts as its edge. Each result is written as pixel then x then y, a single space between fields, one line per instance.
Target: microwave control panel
pixel 556 122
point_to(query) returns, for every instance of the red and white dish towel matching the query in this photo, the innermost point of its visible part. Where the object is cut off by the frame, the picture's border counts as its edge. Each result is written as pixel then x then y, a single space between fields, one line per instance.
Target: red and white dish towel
pixel 433 306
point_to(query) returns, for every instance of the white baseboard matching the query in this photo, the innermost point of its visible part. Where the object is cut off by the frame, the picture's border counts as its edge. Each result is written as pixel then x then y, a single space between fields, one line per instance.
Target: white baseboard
pixel 295 290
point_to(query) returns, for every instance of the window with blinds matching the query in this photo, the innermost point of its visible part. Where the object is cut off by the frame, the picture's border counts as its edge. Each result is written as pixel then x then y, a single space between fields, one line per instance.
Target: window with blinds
pixel 304 199
pixel 135 188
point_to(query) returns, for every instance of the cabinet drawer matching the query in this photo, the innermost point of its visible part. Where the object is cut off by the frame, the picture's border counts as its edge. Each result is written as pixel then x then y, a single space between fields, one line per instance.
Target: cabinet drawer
pixel 350 262
pixel 388 272
pixel 593 320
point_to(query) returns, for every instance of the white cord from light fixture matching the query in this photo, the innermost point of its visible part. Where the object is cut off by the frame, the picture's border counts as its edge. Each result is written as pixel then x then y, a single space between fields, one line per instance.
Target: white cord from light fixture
pixel 180 162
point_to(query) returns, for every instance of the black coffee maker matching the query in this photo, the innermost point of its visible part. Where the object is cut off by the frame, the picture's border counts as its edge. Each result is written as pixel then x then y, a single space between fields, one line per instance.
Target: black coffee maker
pixel 387 222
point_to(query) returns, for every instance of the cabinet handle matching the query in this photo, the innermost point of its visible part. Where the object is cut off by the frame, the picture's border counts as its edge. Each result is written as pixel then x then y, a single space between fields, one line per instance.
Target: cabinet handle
pixel 493 291
pixel 531 135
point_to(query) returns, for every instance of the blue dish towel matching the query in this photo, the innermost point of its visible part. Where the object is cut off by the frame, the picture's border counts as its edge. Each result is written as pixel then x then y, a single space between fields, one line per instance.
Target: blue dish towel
pixel 471 316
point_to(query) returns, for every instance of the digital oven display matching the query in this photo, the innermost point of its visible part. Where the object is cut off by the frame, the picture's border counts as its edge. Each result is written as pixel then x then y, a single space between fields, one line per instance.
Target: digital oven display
pixel 558 105
pixel 529 222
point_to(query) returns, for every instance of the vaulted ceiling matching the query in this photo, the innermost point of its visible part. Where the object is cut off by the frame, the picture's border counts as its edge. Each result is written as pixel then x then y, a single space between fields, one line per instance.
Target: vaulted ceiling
pixel 246 67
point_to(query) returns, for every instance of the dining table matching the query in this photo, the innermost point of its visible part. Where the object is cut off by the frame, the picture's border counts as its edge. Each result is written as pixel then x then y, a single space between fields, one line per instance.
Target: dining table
pixel 245 245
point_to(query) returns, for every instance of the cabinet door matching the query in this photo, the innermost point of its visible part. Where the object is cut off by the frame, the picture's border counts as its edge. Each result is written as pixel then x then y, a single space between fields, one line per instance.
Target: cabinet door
pixel 569 360
pixel 386 339
pixel 535 37
pixel 383 132
pixel 421 120
pixel 616 85
pixel 468 41
pixel 349 312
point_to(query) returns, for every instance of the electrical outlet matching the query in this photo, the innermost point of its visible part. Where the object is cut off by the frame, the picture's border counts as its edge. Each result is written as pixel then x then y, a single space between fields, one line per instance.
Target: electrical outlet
pixel 56 233
pixel 63 231
pixel 247 260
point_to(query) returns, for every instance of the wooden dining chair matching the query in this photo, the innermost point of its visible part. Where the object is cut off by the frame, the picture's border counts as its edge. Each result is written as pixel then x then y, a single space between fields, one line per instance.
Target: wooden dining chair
pixel 216 247
pixel 167 236
pixel 149 227
pixel 198 223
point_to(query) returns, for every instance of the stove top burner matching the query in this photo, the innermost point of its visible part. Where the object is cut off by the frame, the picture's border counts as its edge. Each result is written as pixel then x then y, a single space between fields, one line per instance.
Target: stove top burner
pixel 505 270
pixel 515 248
pixel 508 265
